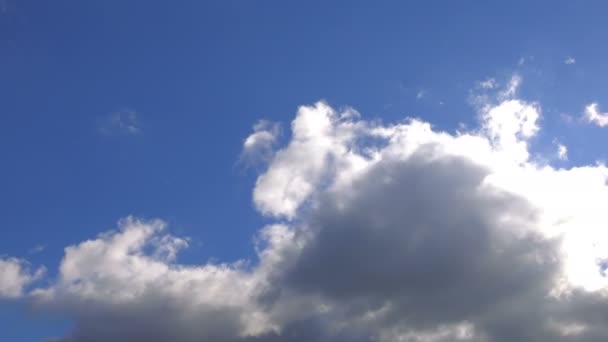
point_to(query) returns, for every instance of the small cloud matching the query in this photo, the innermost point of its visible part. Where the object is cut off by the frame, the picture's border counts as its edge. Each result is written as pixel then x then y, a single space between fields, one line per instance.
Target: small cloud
pixel 570 60
pixel 124 121
pixel 37 249
pixel 524 60
pixel 562 152
pixel 594 116
pixel 490 83
pixel 490 90
pixel 521 61
pixel 420 94
pixel 258 148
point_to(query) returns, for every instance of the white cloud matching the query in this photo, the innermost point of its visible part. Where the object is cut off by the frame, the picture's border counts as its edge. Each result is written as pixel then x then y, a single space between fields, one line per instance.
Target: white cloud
pixel 594 116
pixel 570 60
pixel 14 276
pixel 396 232
pixel 127 279
pixel 124 121
pixel 562 152
pixel 508 126
pixel 319 135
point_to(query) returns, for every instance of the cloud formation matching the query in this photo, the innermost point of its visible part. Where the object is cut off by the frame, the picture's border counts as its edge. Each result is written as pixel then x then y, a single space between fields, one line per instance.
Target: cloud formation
pixel 594 116
pixel 384 232
pixel 15 275
pixel 125 286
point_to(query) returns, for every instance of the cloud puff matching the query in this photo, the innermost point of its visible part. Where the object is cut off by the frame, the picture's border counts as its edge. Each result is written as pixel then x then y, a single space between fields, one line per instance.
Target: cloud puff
pixel 594 116
pixel 562 152
pixel 15 275
pixel 258 147
pixel 570 60
pixel 319 136
pixel 385 232
pixel 124 121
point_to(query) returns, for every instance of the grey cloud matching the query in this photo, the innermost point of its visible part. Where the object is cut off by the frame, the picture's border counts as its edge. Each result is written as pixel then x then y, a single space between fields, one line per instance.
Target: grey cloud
pixel 425 239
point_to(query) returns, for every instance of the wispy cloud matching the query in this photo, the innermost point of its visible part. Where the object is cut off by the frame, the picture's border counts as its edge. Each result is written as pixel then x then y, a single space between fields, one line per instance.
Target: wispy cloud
pixel 511 88
pixel 420 94
pixel 570 60
pixel 521 61
pixel 258 148
pixel 525 60
pixel 37 249
pixel 489 83
pixel 123 121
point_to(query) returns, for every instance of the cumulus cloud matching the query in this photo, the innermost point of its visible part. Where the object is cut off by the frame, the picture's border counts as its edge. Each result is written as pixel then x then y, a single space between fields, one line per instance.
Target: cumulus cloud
pixel 594 116
pixel 124 286
pixel 570 60
pixel 15 275
pixel 384 232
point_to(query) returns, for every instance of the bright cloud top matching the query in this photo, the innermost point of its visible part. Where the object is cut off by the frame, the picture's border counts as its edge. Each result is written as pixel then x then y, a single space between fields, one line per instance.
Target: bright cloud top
pixel 384 232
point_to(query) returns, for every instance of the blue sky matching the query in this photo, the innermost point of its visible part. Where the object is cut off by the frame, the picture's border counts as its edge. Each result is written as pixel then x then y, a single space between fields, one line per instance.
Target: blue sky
pixel 119 108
